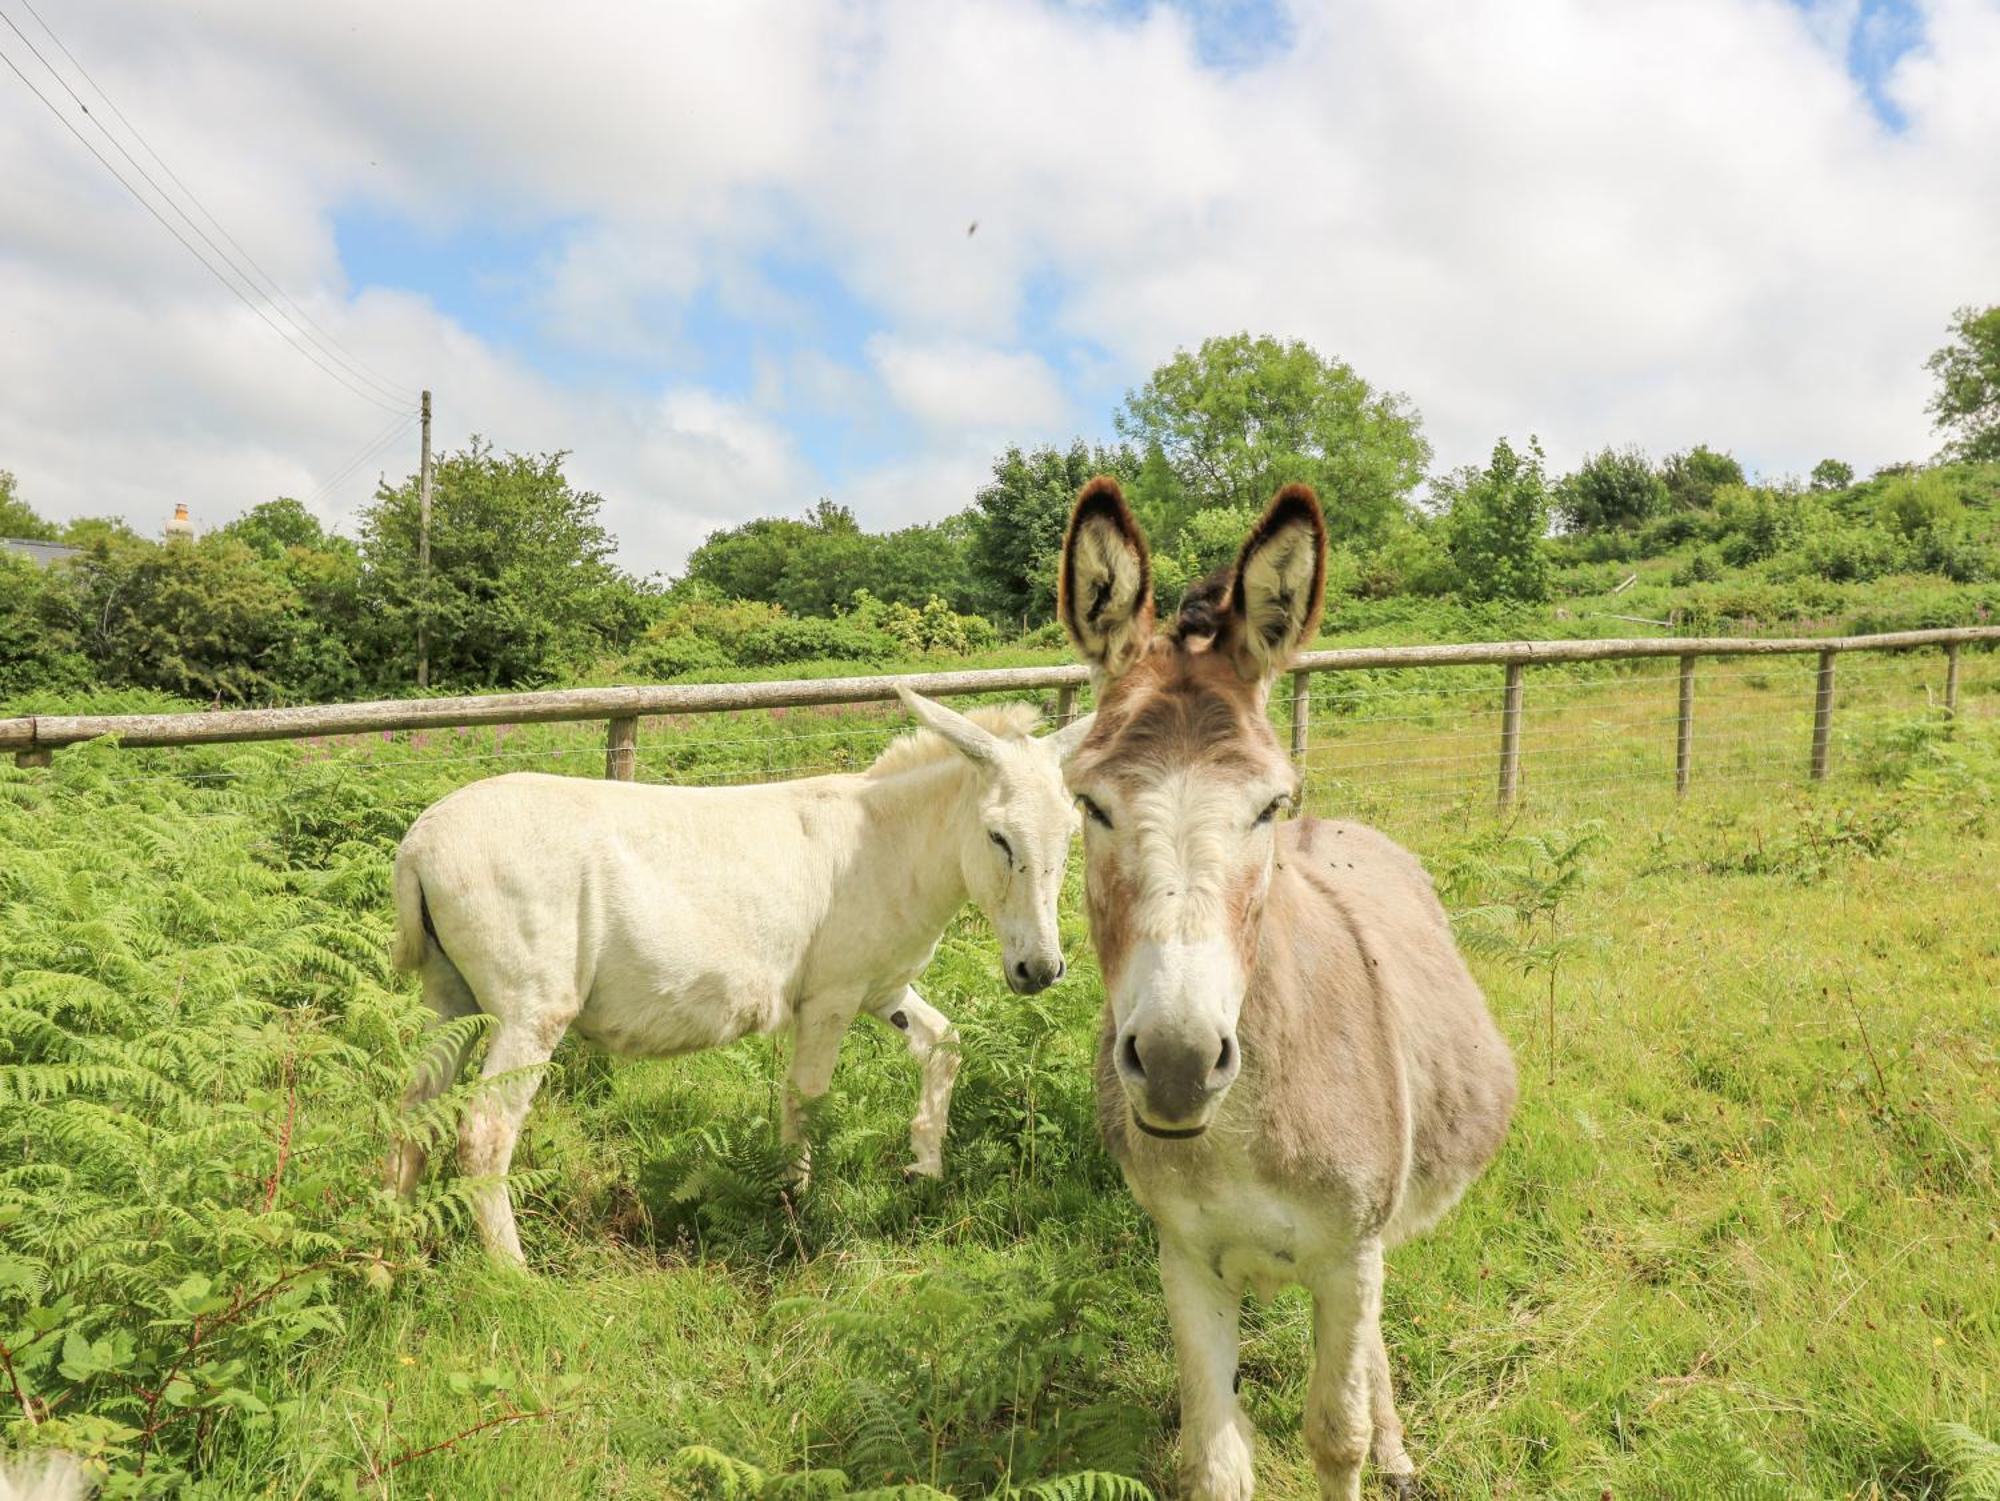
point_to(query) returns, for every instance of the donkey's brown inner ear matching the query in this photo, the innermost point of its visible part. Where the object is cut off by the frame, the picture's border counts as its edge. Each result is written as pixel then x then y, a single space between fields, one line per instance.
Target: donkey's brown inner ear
pixel 1280 585
pixel 1105 590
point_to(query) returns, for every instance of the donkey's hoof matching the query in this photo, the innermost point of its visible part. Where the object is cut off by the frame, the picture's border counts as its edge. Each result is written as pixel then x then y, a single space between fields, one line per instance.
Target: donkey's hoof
pixel 1402 1487
pixel 931 1170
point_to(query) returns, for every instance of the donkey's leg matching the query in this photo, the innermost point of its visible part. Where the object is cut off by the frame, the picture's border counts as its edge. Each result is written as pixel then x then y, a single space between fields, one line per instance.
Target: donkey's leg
pixel 816 1034
pixel 1399 1475
pixel 1347 1314
pixel 449 998
pixel 1216 1438
pixel 492 1123
pixel 933 1043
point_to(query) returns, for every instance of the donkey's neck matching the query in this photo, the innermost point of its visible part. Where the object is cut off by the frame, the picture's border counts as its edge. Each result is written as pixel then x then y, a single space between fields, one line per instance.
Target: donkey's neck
pixel 908 863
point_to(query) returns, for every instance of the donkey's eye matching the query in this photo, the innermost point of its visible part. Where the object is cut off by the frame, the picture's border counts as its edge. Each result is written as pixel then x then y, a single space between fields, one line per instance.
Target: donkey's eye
pixel 1271 810
pixel 1001 844
pixel 1093 812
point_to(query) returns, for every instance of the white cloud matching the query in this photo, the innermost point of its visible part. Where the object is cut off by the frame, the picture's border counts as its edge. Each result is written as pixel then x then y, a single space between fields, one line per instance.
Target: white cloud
pixel 1665 222
pixel 962 387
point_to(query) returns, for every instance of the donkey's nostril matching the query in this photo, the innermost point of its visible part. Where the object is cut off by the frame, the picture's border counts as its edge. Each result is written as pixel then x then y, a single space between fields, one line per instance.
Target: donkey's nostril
pixel 1021 970
pixel 1132 1056
pixel 1222 1059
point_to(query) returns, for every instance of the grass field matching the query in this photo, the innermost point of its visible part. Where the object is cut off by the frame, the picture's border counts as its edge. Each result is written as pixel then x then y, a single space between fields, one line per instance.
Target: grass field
pixel 1744 1239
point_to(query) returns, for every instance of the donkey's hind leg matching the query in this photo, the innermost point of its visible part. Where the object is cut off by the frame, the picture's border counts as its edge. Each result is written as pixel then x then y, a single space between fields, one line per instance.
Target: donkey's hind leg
pixel 933 1042
pixel 492 1123
pixel 1391 1459
pixel 450 999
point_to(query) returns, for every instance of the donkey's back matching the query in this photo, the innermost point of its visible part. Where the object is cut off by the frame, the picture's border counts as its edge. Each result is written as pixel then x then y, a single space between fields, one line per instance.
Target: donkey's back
pixel 1380 972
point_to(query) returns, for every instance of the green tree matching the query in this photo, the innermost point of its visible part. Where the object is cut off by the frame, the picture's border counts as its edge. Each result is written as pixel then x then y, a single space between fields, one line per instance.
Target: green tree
pixel 271 526
pixel 1967 403
pixel 38 646
pixel 1241 416
pixel 1831 474
pixel 1497 520
pixel 816 566
pixel 1015 529
pixel 206 619
pixel 17 517
pixel 521 583
pixel 1611 490
pixel 1692 478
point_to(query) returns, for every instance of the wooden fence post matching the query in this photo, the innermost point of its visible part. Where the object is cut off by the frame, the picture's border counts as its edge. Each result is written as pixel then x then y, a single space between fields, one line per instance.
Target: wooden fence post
pixel 1301 715
pixel 621 748
pixel 1510 738
pixel 1065 705
pixel 1684 730
pixel 1822 716
pixel 1951 680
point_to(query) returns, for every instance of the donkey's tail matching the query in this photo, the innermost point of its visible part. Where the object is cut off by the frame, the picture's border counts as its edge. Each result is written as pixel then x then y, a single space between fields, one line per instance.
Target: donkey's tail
pixel 411 920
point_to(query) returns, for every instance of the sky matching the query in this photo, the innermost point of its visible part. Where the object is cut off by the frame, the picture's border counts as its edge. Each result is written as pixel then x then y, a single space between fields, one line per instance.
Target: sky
pixel 724 253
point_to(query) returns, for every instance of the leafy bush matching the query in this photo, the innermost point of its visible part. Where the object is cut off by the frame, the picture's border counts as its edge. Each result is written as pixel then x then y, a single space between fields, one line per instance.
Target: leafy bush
pixel 1497 519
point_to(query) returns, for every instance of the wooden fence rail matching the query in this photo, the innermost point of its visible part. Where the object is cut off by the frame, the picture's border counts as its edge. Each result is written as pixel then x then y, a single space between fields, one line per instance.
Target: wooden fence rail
pixel 34 739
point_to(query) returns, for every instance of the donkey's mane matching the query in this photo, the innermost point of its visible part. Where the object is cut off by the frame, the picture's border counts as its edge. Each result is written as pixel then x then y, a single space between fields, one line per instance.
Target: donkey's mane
pixel 1203 608
pixel 922 747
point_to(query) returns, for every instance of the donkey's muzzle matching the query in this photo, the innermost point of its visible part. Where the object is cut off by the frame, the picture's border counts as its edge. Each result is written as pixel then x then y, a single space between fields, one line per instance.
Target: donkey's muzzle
pixel 1032 976
pixel 1174 1079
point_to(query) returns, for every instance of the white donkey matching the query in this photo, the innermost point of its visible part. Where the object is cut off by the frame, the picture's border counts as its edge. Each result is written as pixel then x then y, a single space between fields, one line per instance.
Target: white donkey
pixel 662 920
pixel 1296 1071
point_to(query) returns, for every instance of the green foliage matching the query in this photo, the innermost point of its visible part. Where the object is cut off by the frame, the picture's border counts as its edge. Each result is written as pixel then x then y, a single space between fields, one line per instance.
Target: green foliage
pixel 702 633
pixel 205 619
pixel 966 1378
pixel 1018 519
pixel 1612 489
pixel 816 566
pixel 1693 477
pixel 1241 416
pixel 1496 520
pixel 521 584
pixel 18 518
pixel 1969 1460
pixel 1966 405
pixel 39 650
pixel 272 528
pixel 1523 883
pixel 1832 474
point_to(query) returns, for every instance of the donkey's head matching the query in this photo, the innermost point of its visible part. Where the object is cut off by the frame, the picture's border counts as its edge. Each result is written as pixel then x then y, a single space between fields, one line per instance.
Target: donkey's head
pixel 1014 845
pixel 1181 781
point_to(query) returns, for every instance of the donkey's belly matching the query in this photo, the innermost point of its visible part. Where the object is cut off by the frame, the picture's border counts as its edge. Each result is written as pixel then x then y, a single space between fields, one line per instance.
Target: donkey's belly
pixel 706 1012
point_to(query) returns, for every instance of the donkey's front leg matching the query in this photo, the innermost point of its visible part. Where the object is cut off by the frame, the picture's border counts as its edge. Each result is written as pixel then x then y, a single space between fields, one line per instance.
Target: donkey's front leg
pixel 816 1033
pixel 933 1043
pixel 1216 1438
pixel 1347 1331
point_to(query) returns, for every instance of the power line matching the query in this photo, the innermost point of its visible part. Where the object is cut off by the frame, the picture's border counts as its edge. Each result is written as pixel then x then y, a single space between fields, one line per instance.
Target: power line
pixel 305 349
pixel 381 441
pixel 262 280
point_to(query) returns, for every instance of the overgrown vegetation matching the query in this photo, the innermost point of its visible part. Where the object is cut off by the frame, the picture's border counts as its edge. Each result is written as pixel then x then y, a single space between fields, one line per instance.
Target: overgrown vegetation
pixel 1741 1245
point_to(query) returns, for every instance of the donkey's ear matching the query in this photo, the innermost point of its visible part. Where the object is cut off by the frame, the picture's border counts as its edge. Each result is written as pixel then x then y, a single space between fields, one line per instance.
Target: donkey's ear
pixel 1274 603
pixel 969 739
pixel 1105 590
pixel 1065 740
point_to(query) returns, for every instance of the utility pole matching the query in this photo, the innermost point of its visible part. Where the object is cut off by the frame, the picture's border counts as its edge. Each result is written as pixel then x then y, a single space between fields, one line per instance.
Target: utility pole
pixel 424 551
